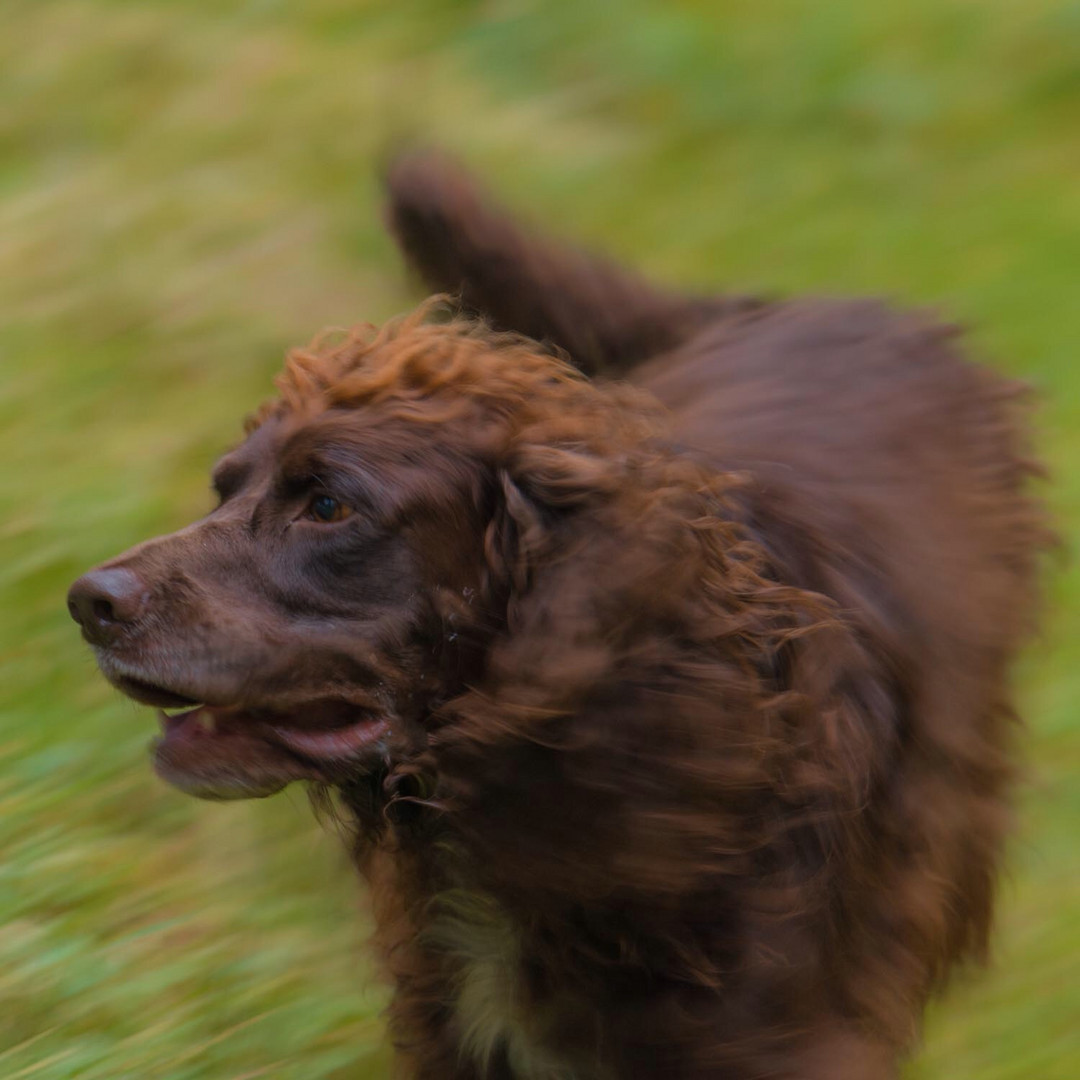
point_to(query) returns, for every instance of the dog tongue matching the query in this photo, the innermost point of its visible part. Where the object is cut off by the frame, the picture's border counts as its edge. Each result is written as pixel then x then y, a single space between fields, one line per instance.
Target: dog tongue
pixel 172 723
pixel 335 742
pixel 205 721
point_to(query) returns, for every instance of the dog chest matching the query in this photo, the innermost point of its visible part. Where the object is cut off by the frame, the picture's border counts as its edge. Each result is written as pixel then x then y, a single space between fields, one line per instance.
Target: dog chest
pixel 490 1012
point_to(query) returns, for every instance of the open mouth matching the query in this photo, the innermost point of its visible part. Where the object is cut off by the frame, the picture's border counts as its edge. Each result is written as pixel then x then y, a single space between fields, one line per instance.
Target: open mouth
pixel 233 751
pixel 329 731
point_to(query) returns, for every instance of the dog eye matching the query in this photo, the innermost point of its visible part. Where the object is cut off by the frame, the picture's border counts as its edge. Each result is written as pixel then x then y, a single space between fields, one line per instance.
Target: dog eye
pixel 326 508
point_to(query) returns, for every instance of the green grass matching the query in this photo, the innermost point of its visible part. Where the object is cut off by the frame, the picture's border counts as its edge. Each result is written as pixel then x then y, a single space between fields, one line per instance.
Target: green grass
pixel 188 187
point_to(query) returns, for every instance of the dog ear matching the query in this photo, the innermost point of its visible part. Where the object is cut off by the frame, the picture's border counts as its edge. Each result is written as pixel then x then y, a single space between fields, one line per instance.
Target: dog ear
pixel 563 477
pixel 538 490
pixel 514 536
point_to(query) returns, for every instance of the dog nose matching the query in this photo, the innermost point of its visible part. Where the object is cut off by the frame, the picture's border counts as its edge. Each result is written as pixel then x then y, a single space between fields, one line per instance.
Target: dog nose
pixel 104 602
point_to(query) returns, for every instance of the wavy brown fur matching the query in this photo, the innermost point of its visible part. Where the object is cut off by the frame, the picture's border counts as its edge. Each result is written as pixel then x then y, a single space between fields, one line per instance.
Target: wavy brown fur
pixel 684 709
pixel 731 800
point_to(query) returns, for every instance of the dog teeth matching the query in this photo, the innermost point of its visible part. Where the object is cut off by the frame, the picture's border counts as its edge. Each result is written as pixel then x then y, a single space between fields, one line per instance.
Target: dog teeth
pixel 174 711
pixel 174 718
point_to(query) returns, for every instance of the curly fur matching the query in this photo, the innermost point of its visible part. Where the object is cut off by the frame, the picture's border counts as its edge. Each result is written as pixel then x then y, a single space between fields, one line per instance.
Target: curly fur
pixel 702 729
pixel 737 770
pixel 715 806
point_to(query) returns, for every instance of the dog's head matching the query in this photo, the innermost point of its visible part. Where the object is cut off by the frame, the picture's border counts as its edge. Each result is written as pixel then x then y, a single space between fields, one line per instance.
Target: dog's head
pixel 369 534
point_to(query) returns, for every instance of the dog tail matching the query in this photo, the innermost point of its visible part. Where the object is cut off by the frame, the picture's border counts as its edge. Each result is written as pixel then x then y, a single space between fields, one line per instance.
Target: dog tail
pixel 463 243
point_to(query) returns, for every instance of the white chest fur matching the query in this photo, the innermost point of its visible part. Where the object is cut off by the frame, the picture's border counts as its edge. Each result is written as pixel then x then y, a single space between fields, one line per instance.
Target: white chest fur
pixel 490 1015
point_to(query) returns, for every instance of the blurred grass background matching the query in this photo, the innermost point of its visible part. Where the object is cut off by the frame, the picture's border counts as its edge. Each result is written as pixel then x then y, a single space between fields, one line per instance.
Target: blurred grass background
pixel 189 187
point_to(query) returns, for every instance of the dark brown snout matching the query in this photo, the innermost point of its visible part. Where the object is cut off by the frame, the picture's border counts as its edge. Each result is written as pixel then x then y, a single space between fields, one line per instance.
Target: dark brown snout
pixel 105 602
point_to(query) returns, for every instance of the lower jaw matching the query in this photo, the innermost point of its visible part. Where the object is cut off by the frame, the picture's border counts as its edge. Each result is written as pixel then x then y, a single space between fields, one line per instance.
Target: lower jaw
pixel 218 784
pixel 242 760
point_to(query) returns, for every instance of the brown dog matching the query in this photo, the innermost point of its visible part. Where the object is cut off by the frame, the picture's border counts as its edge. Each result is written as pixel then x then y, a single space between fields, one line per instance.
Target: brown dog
pixel 672 713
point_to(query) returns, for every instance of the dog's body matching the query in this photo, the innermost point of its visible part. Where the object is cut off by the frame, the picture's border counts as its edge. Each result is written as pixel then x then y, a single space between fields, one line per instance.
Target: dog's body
pixel 676 739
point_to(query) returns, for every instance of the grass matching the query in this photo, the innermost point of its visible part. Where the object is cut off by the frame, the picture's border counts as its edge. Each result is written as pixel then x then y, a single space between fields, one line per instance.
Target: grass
pixel 188 187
